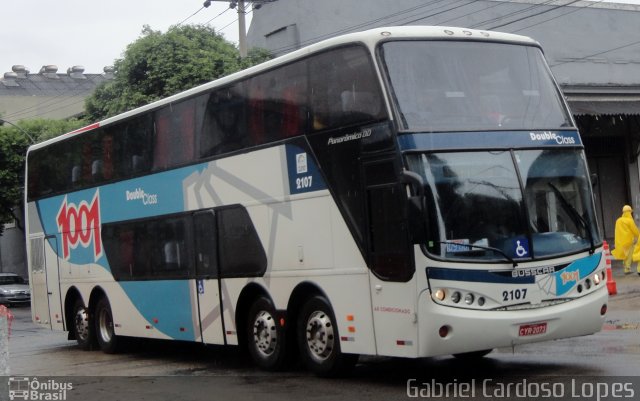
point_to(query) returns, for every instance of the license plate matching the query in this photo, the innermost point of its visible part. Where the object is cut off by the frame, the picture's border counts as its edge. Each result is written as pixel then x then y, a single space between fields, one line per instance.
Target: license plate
pixel 532 329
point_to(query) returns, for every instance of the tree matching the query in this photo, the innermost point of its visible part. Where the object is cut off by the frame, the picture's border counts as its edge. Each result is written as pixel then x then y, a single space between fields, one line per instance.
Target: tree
pixel 158 65
pixel 13 148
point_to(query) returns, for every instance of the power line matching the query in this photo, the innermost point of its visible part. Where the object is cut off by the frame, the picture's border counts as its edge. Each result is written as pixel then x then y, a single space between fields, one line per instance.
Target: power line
pixel 511 14
pixel 225 10
pixel 535 15
pixel 561 15
pixel 597 54
pixel 189 17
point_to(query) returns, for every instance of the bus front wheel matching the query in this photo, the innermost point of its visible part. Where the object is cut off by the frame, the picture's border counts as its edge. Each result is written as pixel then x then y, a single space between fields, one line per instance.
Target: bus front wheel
pixel 107 339
pixel 265 337
pixel 319 341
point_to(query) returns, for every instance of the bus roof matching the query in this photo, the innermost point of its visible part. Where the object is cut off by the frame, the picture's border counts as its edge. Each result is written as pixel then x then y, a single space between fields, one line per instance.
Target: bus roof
pixel 369 37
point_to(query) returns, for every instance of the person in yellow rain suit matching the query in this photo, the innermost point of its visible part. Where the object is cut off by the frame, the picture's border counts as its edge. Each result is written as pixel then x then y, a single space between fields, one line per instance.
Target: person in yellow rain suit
pixel 625 236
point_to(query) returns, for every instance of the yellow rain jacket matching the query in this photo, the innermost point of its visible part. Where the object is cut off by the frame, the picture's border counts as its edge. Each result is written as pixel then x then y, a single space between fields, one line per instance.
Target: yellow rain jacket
pixel 626 233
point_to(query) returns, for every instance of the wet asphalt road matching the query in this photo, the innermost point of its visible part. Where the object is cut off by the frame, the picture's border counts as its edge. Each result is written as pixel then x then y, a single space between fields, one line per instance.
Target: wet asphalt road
pixel 178 371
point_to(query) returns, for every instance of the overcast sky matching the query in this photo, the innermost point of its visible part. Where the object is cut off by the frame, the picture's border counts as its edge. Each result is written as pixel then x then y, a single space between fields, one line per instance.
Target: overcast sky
pixel 95 33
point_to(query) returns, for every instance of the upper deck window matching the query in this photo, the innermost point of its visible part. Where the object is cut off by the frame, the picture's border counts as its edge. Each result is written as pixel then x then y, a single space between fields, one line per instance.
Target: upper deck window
pixel 472 86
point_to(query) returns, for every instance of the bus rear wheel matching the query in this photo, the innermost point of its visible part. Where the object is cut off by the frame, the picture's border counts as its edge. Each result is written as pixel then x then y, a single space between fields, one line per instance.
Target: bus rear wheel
pixel 265 337
pixel 319 341
pixel 108 341
pixel 83 326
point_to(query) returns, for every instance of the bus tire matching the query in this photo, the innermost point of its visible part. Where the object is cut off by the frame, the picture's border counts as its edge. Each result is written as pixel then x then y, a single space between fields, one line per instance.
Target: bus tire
pixel 473 354
pixel 319 340
pixel 83 329
pixel 108 341
pixel 265 337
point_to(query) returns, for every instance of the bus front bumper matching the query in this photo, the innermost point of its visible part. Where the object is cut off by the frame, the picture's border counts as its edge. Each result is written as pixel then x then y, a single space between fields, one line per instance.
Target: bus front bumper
pixel 447 330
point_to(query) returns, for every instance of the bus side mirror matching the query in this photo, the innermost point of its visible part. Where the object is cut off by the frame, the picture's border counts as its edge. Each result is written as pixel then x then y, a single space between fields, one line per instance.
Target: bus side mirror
pixel 416 213
pixel 594 180
pixel 416 217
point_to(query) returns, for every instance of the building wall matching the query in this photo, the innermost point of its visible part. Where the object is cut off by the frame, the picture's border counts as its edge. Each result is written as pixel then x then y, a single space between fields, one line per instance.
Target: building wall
pixel 572 35
pixel 592 48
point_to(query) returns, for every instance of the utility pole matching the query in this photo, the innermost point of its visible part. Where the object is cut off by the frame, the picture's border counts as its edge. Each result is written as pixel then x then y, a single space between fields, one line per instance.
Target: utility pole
pixel 242 28
pixel 240 5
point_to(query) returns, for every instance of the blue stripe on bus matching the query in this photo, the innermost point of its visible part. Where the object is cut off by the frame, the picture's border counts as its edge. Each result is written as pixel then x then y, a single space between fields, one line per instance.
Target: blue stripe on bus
pixel 565 279
pixel 488 140
pixel 165 305
pixel 476 276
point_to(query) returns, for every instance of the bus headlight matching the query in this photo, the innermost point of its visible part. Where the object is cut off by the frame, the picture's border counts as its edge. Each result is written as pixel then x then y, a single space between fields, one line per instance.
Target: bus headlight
pixel 469 298
pixel 455 297
pixel 439 294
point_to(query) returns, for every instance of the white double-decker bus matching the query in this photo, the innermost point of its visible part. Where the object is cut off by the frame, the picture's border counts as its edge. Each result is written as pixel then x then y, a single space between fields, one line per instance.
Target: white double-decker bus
pixel 404 191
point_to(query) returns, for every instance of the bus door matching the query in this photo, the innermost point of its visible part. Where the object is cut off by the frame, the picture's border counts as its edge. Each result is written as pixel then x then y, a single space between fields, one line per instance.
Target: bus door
pixel 208 278
pixel 393 292
pixel 45 284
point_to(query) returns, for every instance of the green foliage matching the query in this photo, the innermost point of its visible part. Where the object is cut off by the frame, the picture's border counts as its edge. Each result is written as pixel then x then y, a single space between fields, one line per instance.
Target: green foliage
pixel 158 65
pixel 13 147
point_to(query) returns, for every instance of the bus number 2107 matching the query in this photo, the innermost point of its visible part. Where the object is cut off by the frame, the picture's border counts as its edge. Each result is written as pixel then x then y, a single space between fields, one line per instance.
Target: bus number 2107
pixel 304 182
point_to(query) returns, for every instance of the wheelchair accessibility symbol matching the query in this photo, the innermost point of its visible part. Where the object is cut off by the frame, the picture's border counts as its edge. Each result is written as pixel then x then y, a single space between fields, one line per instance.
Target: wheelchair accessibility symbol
pixel 522 248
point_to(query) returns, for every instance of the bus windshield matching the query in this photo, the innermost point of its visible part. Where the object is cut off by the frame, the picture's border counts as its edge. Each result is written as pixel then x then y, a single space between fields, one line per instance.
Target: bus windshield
pixel 472 86
pixel 526 204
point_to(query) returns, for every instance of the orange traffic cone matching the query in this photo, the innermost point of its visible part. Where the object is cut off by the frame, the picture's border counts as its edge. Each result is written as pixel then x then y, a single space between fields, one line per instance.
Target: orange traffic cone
pixel 611 283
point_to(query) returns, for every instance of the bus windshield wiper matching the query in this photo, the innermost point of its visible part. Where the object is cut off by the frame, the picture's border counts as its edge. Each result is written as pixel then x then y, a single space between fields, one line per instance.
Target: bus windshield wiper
pixel 578 220
pixel 486 248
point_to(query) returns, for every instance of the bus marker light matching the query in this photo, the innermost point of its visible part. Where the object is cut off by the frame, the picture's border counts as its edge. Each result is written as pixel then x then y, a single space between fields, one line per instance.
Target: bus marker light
pixel 350 318
pixel 282 322
pixel 155 320
pixel 182 329
pixel 439 294
pixel 351 329
pixel 596 278
pixel 603 310
pixel 148 327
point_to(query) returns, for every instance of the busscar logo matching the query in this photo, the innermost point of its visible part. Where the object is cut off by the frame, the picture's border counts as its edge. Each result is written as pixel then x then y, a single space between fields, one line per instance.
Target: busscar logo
pixel 80 225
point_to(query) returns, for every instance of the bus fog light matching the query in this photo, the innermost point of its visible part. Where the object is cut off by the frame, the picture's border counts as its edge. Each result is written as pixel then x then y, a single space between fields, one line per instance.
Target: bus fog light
pixel 468 299
pixel 439 294
pixel 481 301
pixel 455 297
pixel 444 331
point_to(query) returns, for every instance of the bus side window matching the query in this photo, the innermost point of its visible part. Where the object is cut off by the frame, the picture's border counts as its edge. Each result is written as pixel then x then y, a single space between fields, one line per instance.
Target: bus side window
pixel 223 129
pixel 236 231
pixel 344 89
pixel 174 136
